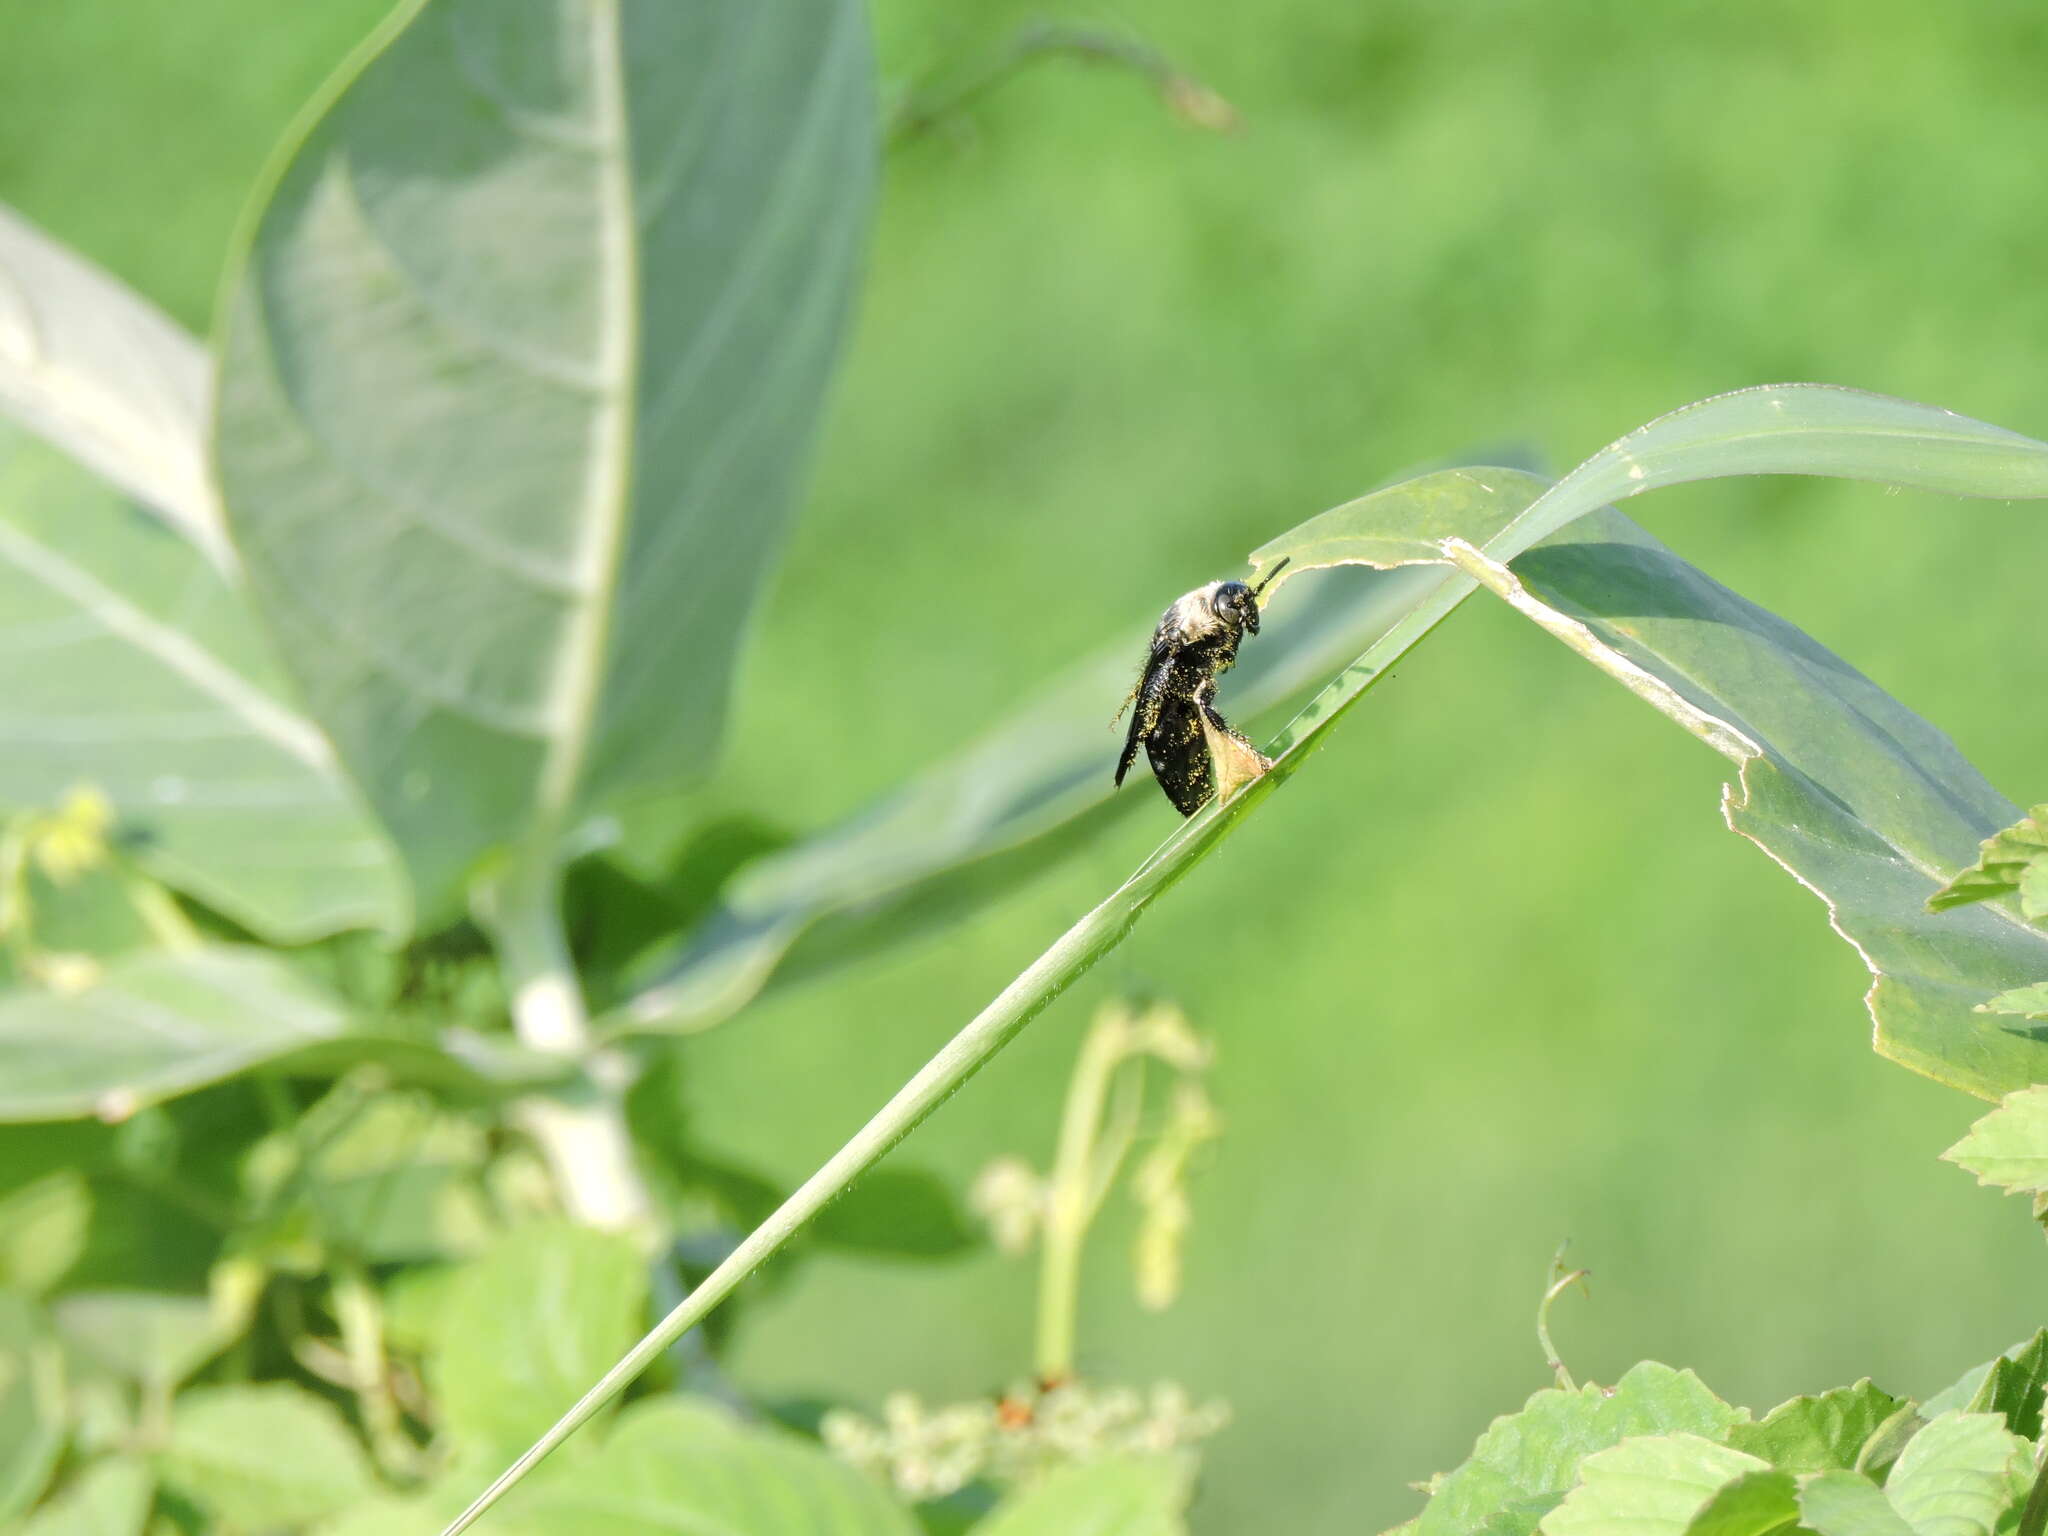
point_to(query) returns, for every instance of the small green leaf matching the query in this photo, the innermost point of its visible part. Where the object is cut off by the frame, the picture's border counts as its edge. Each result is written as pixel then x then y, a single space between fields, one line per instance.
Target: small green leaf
pixel 150 1338
pixel 156 1024
pixel 1814 1434
pixel 262 1457
pixel 1111 1496
pixel 2013 1386
pixel 1523 1464
pixel 2009 1147
pixel 531 1324
pixel 32 1398
pixel 1754 1504
pixel 1848 1504
pixel 1649 1486
pixel 2011 861
pixel 43 1228
pixel 109 1498
pixel 2028 1002
pixel 677 1465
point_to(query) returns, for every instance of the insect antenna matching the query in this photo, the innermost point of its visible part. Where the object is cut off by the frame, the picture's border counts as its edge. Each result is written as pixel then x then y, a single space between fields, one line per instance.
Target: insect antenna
pixel 1267 579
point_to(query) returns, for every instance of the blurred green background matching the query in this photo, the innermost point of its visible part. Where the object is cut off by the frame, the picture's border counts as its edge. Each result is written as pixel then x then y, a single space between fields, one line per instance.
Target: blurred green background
pixel 1491 974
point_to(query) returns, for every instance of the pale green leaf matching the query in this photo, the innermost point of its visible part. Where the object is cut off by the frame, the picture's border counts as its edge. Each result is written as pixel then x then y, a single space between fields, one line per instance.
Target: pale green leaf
pixel 32 1403
pixel 2013 1387
pixel 1814 1434
pixel 43 1227
pixel 1754 1504
pixel 102 373
pixel 529 1325
pixel 520 366
pixel 1111 1496
pixel 259 1458
pixel 1958 1475
pixel 109 1498
pixel 2009 1147
pixel 128 662
pixel 156 1024
pixel 2013 860
pixel 1650 1486
pixel 676 1465
pixel 148 1337
pixel 1525 1461
pixel 1848 1504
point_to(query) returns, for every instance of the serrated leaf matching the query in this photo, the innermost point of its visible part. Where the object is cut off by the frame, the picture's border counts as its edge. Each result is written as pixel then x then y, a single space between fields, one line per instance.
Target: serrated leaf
pixel 1814 1434
pixel 2008 1148
pixel 131 664
pixel 1109 1496
pixel 1848 1504
pixel 109 1498
pixel 106 376
pixel 32 1404
pixel 148 1337
pixel 2011 1384
pixel 530 1324
pixel 2012 861
pixel 1523 1464
pixel 157 1024
pixel 675 1465
pixel 1650 1486
pixel 520 366
pixel 1753 1504
pixel 1958 1475
pixel 258 1458
pixel 2030 1002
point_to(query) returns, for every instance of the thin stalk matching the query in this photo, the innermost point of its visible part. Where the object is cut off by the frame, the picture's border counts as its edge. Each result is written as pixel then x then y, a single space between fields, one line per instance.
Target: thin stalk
pixel 361 1318
pixel 1094 936
pixel 1070 1202
pixel 584 1140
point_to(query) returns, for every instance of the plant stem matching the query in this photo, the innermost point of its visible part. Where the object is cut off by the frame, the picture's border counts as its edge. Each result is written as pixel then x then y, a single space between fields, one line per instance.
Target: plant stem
pixel 362 1337
pixel 584 1139
pixel 1071 1195
pixel 1070 956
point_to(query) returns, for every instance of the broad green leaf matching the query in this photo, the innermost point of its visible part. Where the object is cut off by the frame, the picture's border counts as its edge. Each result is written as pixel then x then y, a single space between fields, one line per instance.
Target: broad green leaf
pixel 131 664
pixel 1848 1504
pixel 1525 1461
pixel 521 362
pixel 32 1403
pixel 43 1230
pixel 156 1024
pixel 259 1458
pixel 1111 1496
pixel 1814 1434
pixel 2009 1147
pixel 970 829
pixel 530 1324
pixel 1861 800
pixel 676 1465
pixel 102 373
pixel 2013 860
pixel 1649 1486
pixel 1754 1504
pixel 2029 1002
pixel 147 1337
pixel 1958 1475
pixel 109 1498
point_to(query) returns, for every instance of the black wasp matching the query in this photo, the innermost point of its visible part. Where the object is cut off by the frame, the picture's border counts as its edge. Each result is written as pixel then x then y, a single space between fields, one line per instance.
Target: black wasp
pixel 1196 643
